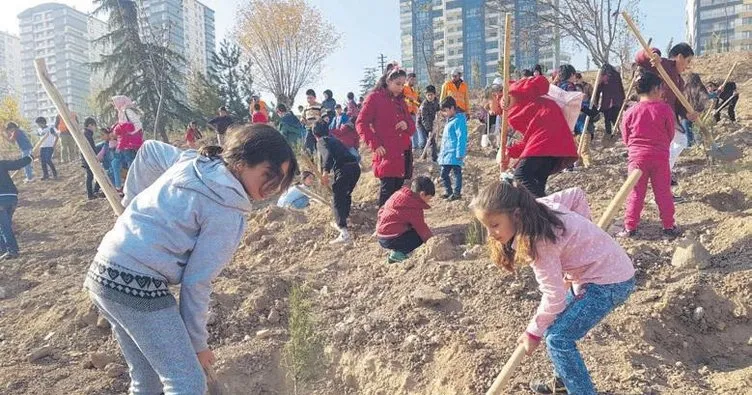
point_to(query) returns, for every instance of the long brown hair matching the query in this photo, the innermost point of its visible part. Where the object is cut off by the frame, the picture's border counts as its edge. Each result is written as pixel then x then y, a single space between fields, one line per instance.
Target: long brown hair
pixel 533 221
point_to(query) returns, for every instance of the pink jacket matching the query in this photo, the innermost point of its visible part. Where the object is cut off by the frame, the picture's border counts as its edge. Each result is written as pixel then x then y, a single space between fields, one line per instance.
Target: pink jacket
pixel 648 129
pixel 582 254
pixel 128 138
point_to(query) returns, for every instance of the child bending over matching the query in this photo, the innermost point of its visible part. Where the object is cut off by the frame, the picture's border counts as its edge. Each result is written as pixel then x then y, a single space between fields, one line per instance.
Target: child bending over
pixel 180 228
pixel 453 148
pixel 647 131
pixel 401 226
pixel 8 203
pixel 294 197
pixel 555 237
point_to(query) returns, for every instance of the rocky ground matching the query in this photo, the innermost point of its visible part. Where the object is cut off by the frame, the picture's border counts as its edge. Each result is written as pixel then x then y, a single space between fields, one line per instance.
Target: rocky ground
pixel 442 322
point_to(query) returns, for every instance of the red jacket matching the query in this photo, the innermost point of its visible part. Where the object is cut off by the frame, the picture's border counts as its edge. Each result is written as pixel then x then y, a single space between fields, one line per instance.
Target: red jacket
pixel 347 135
pixel 128 138
pixel 643 60
pixel 543 126
pixel 648 129
pixel 401 213
pixel 376 125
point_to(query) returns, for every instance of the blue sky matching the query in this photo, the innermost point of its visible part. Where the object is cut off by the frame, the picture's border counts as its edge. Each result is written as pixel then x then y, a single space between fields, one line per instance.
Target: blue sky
pixel 371 27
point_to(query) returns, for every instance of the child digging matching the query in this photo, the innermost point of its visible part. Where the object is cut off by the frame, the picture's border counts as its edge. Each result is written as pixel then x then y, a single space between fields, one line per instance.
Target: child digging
pixel 647 131
pixel 556 238
pixel 401 226
pixel 294 197
pixel 8 203
pixel 182 229
pixel 453 149
pixel 47 149
pixel 337 159
pixel 92 188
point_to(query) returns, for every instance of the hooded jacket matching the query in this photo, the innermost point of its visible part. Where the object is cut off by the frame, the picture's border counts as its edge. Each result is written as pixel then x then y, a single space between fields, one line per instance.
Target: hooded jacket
pixel 291 128
pixel 401 213
pixel 540 120
pixel 183 228
pixel 376 124
pixel 454 141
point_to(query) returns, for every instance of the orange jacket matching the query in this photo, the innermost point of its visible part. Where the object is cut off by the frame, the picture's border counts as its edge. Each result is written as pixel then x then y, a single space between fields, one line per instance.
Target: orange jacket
pixel 412 98
pixel 460 95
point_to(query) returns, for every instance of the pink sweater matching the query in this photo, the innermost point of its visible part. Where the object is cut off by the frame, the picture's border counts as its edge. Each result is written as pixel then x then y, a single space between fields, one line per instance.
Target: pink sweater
pixel 647 130
pixel 582 254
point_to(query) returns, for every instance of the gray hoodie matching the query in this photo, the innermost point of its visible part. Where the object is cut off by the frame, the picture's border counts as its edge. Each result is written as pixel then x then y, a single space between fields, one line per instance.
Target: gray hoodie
pixel 184 226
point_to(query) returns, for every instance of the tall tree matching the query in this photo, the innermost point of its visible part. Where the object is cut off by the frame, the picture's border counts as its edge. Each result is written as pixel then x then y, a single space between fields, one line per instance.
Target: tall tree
pixel 234 79
pixel 10 111
pixel 370 76
pixel 287 42
pixel 594 25
pixel 203 96
pixel 141 66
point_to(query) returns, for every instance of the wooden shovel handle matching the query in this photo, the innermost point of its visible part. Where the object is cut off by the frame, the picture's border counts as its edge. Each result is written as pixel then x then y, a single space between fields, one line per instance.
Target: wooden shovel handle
pixel 504 160
pixel 506 372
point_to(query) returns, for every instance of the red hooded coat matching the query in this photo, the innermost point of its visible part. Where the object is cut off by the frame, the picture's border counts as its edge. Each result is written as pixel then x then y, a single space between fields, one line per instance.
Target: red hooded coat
pixel 377 126
pixel 543 126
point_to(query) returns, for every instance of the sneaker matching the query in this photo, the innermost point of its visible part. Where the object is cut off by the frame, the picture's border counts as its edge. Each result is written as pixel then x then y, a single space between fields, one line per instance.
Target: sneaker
pixel 91 197
pixel 673 181
pixel 343 238
pixel 454 197
pixel 679 199
pixel 335 226
pixel 27 180
pixel 544 386
pixel 396 256
pixel 672 233
pixel 627 233
pixel 446 196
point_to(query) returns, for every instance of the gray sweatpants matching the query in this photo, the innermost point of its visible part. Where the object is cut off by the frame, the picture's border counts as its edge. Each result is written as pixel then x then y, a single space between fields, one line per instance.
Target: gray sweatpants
pixel 156 347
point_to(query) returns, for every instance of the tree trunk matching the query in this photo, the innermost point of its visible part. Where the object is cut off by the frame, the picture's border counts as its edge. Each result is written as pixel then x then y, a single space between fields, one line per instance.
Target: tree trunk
pixel 158 126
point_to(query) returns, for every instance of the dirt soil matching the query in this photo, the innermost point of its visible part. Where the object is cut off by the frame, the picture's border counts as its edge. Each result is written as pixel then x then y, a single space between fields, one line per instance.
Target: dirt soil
pixel 442 322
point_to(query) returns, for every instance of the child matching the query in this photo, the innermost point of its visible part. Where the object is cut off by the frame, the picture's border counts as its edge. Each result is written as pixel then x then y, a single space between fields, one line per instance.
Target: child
pixel 192 134
pixel 401 226
pixel 293 197
pixel 647 131
pixel 92 189
pixel 352 107
pixel 311 114
pixel 8 203
pixel 258 115
pixel 547 145
pixel 426 117
pixel 698 97
pixel 555 237
pixel 453 148
pixel 18 136
pixel 104 151
pixel 727 93
pixel 47 149
pixel 289 126
pixel 339 118
pixel 221 123
pixel 337 159
pixel 180 228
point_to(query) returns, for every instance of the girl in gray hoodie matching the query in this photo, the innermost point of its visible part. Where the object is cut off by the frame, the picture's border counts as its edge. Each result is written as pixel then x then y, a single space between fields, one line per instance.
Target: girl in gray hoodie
pixel 184 217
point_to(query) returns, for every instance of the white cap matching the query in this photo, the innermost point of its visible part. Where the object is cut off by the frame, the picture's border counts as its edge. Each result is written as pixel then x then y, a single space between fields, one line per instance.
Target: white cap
pixel 497 81
pixel 456 71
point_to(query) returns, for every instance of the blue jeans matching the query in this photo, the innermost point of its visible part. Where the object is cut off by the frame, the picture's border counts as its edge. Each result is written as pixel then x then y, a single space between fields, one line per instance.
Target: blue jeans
pixel 45 156
pixel 8 241
pixel 583 312
pixel 29 170
pixel 121 160
pixel 687 125
pixel 446 180
pixel 419 138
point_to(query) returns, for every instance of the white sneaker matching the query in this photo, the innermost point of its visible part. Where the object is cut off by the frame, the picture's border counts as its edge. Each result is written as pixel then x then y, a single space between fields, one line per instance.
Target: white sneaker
pixel 28 180
pixel 335 226
pixel 344 237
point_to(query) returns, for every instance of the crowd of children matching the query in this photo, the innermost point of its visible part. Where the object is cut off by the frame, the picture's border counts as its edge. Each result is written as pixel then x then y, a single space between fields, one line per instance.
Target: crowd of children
pixel 156 242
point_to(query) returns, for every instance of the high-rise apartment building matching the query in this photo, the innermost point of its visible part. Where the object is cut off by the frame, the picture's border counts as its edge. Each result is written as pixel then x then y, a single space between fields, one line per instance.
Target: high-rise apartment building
pixel 439 36
pixel 60 35
pixel 10 65
pixel 719 25
pixel 188 28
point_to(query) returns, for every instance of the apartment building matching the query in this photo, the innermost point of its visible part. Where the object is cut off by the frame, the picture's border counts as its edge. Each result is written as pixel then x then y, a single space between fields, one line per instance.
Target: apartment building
pixel 719 25
pixel 438 36
pixel 10 65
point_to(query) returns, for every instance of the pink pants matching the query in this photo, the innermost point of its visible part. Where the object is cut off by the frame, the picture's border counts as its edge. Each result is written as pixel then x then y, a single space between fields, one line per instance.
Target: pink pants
pixel 659 174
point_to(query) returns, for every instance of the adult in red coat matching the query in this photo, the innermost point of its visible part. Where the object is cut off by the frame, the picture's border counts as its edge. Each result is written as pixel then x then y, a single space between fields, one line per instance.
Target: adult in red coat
pixel 547 145
pixel 385 124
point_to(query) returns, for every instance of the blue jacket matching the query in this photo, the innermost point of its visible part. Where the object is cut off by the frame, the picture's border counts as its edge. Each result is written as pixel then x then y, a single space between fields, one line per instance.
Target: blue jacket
pixel 454 141
pixel 333 123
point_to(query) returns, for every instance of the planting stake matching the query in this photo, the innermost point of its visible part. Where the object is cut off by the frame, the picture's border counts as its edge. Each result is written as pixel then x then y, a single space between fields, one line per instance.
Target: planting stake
pixel 505 94
pixel 584 146
pixel 627 93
